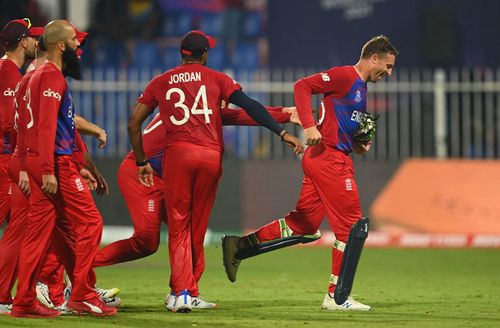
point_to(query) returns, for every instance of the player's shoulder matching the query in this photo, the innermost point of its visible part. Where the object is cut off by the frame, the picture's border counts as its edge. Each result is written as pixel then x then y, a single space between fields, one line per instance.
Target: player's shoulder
pixel 347 74
pixel 49 71
pixel 347 70
pixel 9 68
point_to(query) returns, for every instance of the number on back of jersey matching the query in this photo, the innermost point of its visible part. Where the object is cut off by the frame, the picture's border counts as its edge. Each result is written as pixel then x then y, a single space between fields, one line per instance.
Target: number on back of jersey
pixel 200 95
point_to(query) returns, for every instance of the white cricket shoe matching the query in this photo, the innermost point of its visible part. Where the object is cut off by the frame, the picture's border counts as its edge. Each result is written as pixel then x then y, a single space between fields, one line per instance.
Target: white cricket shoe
pixel 112 301
pixel 183 303
pixel 169 301
pixel 107 293
pixel 349 305
pixel 63 308
pixel 42 295
pixel 5 308
pixel 199 303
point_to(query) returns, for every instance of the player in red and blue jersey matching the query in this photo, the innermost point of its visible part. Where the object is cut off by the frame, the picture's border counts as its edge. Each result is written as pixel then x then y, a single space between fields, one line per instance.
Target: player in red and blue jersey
pixel 59 195
pixel 328 188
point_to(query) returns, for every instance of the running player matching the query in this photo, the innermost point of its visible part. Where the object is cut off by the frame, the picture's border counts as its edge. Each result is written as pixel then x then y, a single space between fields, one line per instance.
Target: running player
pixel 328 188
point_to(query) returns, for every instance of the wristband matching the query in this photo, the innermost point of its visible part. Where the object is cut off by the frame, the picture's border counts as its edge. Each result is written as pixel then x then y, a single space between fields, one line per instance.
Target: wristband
pixel 143 163
pixel 283 134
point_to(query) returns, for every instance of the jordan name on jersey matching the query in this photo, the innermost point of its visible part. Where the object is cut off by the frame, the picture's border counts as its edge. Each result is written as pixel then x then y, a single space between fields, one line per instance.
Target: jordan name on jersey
pixel 185 77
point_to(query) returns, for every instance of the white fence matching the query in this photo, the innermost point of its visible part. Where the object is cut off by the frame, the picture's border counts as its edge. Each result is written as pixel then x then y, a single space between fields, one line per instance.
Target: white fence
pixel 424 113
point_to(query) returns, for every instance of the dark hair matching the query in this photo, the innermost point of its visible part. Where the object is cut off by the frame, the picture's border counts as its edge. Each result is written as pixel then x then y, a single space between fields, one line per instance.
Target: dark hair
pixel 380 45
pixel 11 46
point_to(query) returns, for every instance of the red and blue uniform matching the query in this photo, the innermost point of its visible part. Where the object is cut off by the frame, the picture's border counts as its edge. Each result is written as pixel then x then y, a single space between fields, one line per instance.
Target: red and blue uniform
pixel 68 219
pixel 328 188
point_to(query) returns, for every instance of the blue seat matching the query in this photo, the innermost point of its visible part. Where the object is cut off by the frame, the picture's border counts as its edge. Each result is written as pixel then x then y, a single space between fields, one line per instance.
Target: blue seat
pixel 217 57
pixel 170 57
pixel 253 24
pixel 184 23
pixel 211 23
pixel 145 54
pixel 246 56
pixel 108 54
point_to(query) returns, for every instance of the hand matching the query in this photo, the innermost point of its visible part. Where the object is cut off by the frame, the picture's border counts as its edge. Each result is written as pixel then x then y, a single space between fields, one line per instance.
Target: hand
pixel 102 186
pixel 360 148
pixel 49 184
pixel 312 136
pixel 102 137
pixel 88 178
pixel 294 117
pixel 24 183
pixel 296 144
pixel 146 175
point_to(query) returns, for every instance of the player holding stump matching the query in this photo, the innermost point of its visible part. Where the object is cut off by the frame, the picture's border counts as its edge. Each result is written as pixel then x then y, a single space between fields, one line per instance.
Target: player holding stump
pixel 328 188
pixel 189 97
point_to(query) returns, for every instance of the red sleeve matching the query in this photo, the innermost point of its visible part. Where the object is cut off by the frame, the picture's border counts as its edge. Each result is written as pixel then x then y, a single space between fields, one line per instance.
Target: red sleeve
pixel 7 99
pixel 147 97
pixel 240 117
pixel 80 151
pixel 228 86
pixel 48 109
pixel 336 80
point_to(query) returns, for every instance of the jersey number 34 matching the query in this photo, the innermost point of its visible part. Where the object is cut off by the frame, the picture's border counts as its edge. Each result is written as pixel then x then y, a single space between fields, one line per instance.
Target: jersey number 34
pixel 200 95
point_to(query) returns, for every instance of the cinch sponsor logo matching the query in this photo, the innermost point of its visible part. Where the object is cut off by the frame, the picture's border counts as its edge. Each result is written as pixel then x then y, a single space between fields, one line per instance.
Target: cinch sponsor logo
pixel 50 93
pixel 9 93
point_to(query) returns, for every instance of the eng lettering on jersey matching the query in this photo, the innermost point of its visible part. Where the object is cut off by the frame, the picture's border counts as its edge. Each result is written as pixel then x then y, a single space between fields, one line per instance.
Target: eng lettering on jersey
pixel 50 93
pixel 325 77
pixel 357 116
pixel 185 77
pixel 9 93
pixel 79 184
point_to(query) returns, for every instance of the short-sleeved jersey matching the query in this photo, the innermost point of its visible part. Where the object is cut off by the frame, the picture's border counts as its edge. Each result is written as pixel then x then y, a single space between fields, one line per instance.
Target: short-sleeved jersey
pixel 342 107
pixel 9 77
pixel 50 105
pixel 189 97
pixel 153 136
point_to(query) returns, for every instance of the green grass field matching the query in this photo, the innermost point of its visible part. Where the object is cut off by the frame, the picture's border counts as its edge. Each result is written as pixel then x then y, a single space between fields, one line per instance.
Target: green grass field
pixel 406 288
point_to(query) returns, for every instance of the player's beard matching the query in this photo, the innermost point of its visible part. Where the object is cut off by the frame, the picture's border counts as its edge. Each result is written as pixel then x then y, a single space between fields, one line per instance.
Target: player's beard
pixel 71 63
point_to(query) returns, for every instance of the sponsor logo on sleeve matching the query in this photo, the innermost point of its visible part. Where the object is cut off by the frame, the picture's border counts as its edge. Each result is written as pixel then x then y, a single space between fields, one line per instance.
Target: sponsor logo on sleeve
pixel 53 94
pixel 325 77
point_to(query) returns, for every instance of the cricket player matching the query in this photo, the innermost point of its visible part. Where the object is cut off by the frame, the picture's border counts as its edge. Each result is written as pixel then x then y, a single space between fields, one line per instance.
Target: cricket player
pixel 60 202
pixel 18 39
pixel 189 97
pixel 328 188
pixel 146 204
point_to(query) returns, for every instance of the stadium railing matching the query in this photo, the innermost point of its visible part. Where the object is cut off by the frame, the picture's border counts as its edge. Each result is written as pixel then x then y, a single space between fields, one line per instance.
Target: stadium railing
pixel 424 113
